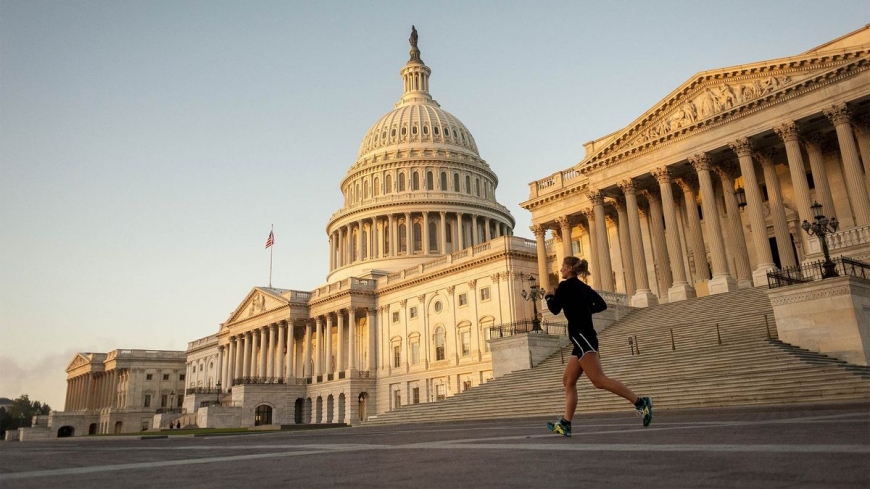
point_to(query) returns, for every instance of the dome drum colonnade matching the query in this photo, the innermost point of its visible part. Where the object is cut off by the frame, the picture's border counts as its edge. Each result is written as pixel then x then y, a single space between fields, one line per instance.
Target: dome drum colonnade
pixel 673 251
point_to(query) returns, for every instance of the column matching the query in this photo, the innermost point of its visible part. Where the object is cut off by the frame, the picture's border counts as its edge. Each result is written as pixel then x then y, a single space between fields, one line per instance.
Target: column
pixel 693 221
pixel 339 342
pixel 281 353
pixel 488 233
pixel 306 349
pixel 789 134
pixel 318 346
pixel 292 357
pixel 391 236
pixel 328 365
pixel 777 211
pixel 812 143
pixel 606 272
pixel 351 339
pixel 332 251
pixel 764 258
pixel 475 231
pixel 625 248
pixel 564 223
pixel 726 172
pixel 643 297
pixel 853 174
pixel 270 352
pixel 425 230
pixel 443 232
pixel 261 343
pixel 861 126
pixel 722 281
pixel 409 234
pixel 460 231
pixel 246 359
pixel 238 348
pixel 372 327
pixel 594 270
pixel 660 248
pixel 541 248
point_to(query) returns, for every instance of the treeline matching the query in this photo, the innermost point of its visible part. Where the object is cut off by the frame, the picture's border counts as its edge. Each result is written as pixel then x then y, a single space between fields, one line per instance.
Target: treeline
pixel 20 414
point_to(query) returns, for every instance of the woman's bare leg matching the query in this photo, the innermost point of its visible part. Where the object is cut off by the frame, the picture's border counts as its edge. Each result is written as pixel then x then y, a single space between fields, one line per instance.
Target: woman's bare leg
pixel 573 371
pixel 591 364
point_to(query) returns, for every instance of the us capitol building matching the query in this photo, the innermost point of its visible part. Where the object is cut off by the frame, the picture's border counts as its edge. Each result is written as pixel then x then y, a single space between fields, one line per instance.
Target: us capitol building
pixel 423 261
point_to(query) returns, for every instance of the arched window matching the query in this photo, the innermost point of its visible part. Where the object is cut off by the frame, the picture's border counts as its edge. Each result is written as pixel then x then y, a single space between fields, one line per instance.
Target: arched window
pixel 263 415
pixel 356 193
pixel 365 190
pixel 477 187
pixel 353 250
pixel 468 184
pixel 415 181
pixel 433 237
pixel 386 241
pixel 377 190
pixel 388 184
pixel 430 185
pixel 403 240
pixel 486 323
pixel 440 354
pixel 443 181
pixel 418 237
pixel 365 245
pixel 456 182
pixel 401 182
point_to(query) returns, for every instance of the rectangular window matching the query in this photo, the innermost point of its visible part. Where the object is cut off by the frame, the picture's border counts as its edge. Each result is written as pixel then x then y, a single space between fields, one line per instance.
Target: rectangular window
pixel 575 248
pixel 180 401
pixel 466 343
pixel 466 385
pixel 440 392
pixel 415 353
pixel 811 181
pixel 416 392
pixel 439 353
pixel 463 299
pixel 165 376
pixel 396 317
pixel 413 312
pixel 147 400
pixel 149 376
pixel 181 376
pixel 397 356
pixel 484 294
pixel 163 400
pixel 397 399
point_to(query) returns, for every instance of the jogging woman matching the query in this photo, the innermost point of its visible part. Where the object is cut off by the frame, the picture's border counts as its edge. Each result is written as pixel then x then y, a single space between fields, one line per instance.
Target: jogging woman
pixel 579 302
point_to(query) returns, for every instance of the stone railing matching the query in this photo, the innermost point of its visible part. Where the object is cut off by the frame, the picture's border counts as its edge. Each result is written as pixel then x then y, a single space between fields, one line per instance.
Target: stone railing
pixel 848 238
pixel 555 182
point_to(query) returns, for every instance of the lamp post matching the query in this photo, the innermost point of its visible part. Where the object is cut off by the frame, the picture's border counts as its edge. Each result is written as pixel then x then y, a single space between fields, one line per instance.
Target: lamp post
pixel 740 196
pixel 171 401
pixel 534 294
pixel 218 400
pixel 820 227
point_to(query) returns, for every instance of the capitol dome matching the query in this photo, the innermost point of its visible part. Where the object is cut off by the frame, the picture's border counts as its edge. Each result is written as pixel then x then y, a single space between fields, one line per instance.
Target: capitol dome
pixel 418 188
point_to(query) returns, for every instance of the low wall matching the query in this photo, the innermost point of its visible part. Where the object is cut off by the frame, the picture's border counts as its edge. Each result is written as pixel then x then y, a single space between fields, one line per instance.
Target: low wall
pixel 830 316
pixel 522 351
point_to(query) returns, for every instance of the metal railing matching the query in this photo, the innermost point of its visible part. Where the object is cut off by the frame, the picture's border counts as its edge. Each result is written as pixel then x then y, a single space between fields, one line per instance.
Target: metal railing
pixel 526 326
pixel 258 380
pixel 818 270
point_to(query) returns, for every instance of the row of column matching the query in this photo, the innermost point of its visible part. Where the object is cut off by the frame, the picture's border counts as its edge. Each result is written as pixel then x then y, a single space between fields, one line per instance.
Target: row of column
pixel 94 390
pixel 348 244
pixel 270 352
pixel 667 246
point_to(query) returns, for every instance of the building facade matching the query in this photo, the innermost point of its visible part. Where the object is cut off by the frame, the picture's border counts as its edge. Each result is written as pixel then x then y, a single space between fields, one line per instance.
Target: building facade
pixel 655 204
pixel 119 391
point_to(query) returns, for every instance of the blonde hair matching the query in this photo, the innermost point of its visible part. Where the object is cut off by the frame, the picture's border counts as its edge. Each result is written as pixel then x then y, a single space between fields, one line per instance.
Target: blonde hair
pixel 579 266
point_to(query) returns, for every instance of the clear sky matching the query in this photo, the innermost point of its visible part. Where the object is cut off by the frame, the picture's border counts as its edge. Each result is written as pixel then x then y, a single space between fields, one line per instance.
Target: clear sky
pixel 147 147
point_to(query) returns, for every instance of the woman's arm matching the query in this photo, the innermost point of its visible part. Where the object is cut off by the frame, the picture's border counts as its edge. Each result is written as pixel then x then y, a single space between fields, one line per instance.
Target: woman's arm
pixel 553 302
pixel 596 303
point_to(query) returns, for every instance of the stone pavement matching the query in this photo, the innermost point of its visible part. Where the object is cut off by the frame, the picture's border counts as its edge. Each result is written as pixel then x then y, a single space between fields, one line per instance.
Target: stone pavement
pixel 808 447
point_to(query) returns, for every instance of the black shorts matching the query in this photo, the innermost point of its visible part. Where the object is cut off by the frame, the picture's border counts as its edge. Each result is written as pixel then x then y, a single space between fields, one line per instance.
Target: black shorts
pixel 584 343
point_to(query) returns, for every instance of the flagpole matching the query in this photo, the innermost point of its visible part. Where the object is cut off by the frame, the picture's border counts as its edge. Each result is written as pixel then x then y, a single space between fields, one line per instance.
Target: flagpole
pixel 271 252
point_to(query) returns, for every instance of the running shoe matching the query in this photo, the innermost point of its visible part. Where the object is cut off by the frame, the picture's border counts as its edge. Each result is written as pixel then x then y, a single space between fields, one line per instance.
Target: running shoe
pixel 645 410
pixel 559 427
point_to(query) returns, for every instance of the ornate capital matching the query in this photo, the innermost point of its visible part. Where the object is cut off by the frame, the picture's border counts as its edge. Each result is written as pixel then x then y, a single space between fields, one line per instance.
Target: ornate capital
pixel 589 213
pixel 662 175
pixel 838 114
pixel 764 157
pixel 742 147
pixel 495 277
pixel 651 194
pixel 688 183
pixel 788 132
pixel 472 284
pixel 563 222
pixel 627 186
pixel 595 197
pixel 421 298
pixel 450 289
pixel 726 170
pixel 403 302
pixel 861 124
pixel 700 162
pixel 538 230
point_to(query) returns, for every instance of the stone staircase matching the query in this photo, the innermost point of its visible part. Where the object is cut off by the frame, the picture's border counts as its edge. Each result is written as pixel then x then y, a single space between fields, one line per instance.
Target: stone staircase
pixel 712 351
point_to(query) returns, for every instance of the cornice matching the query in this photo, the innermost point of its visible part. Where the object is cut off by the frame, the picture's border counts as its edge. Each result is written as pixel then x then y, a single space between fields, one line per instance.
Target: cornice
pixel 551 197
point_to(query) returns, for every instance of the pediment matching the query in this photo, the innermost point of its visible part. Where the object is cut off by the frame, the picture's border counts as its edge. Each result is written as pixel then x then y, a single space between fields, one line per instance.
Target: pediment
pixel 79 360
pixel 259 300
pixel 714 96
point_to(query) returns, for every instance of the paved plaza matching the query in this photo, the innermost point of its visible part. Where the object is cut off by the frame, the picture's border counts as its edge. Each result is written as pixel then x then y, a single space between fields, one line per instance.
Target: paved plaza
pixel 806 447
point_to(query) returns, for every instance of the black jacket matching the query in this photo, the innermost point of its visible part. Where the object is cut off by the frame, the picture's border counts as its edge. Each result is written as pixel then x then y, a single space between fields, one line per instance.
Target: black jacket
pixel 579 302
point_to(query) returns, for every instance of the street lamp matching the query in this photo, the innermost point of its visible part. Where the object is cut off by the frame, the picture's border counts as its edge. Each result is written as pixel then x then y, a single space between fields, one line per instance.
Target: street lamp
pixel 534 294
pixel 820 227
pixel 740 195
pixel 218 400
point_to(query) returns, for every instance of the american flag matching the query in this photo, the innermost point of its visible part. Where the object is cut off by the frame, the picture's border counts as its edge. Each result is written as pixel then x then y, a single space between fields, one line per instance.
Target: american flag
pixel 271 240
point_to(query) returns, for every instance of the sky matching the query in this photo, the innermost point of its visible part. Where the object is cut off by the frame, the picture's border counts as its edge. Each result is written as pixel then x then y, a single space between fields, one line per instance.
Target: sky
pixel 147 148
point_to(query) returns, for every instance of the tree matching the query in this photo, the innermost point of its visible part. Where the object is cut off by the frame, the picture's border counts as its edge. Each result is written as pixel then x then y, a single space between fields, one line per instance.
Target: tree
pixel 20 414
